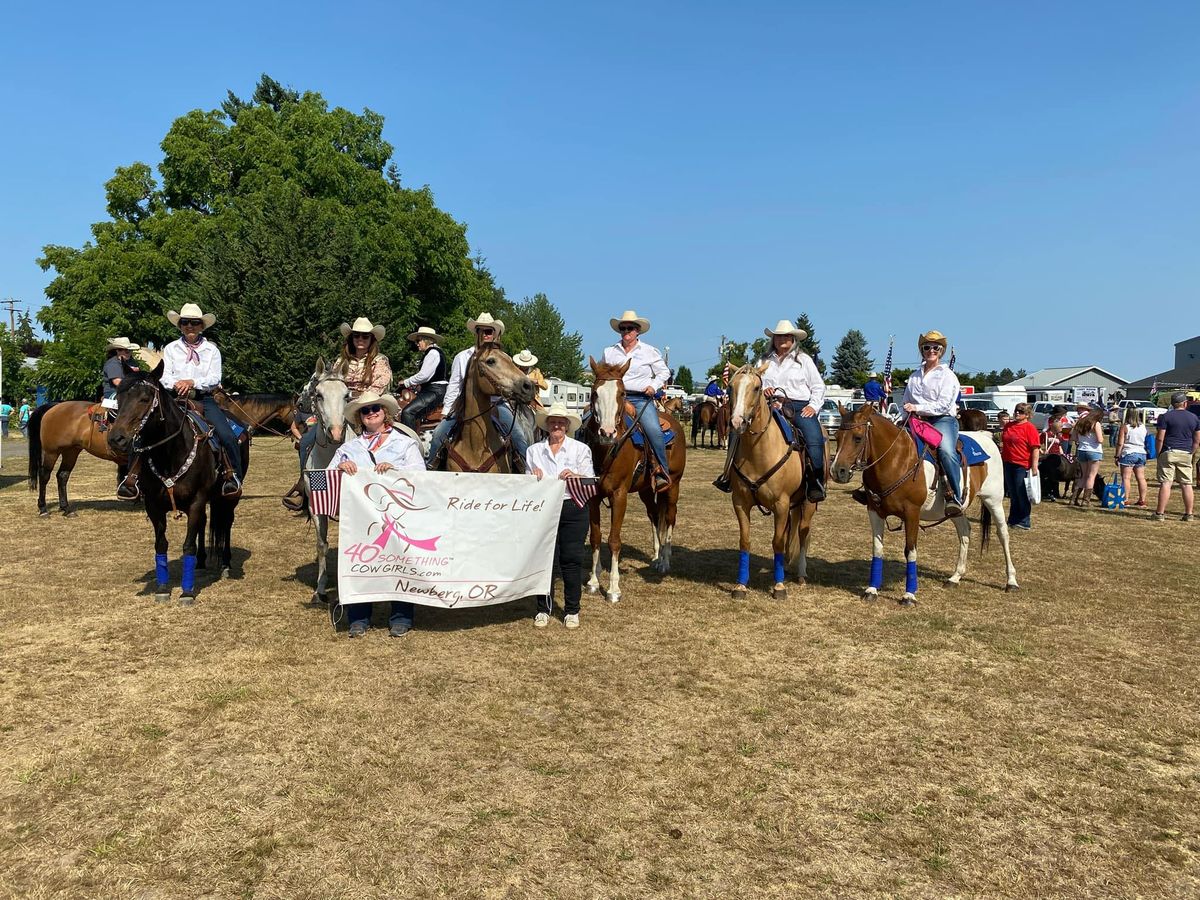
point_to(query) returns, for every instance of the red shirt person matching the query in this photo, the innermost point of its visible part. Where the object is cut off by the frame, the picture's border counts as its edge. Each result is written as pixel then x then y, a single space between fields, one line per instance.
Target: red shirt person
pixel 1020 448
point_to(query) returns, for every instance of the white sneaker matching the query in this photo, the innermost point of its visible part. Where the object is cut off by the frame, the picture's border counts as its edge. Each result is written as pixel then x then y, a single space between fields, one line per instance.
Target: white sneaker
pixel 541 620
pixel 571 621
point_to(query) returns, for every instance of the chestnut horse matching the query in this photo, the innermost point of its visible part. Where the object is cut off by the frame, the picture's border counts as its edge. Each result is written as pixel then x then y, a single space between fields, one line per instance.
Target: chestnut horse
pixel 257 411
pixel 768 473
pixel 897 484
pixel 616 459
pixel 63 431
pixel 479 445
pixel 712 419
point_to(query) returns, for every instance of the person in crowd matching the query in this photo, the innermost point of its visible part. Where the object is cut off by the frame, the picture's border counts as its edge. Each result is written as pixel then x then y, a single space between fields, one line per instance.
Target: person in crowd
pixel 381 446
pixel 430 379
pixel 931 393
pixel 1020 449
pixel 1088 437
pixel 6 411
pixel 527 363
pixel 1003 419
pixel 1131 455
pixel 561 456
pixel 192 369
pixel 874 392
pixel 1178 443
pixel 646 374
pixel 714 390
pixel 23 415
pixel 117 356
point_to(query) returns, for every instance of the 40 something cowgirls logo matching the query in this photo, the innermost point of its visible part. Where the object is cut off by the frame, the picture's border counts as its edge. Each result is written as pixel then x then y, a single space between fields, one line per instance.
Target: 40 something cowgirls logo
pixel 391 502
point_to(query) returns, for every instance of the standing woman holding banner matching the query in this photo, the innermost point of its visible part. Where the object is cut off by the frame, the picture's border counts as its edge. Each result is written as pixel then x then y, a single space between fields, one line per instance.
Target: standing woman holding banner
pixel 562 457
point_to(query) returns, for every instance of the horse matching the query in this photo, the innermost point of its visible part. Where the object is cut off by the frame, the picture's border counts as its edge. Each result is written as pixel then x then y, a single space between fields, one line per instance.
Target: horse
pixel 62 431
pixel 769 474
pixel 479 445
pixel 329 397
pixel 182 475
pixel 673 406
pixel 972 419
pixel 257 411
pixel 713 418
pixel 896 484
pixel 623 467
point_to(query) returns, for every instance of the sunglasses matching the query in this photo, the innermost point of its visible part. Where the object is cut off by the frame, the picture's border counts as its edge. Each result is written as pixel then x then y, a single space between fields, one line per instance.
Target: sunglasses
pixel 628 328
pixel 188 323
pixel 485 331
pixel 372 409
pixel 928 347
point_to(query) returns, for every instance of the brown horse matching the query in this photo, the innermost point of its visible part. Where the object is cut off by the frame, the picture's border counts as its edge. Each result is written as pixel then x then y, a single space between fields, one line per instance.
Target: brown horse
pixel 257 411
pixel 479 445
pixel 769 474
pixel 713 419
pixel 62 431
pixel 623 467
pixel 897 483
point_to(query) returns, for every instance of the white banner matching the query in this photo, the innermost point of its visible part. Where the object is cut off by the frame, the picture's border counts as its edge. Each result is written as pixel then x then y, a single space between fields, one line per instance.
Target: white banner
pixel 447 539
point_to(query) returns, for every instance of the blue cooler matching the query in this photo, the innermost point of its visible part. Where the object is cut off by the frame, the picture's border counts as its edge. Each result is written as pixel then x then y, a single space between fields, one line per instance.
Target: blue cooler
pixel 1151 444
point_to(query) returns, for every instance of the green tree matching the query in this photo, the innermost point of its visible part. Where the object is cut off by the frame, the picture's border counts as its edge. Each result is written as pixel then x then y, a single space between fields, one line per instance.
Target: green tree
pixel 18 380
pixel 559 352
pixel 852 364
pixel 810 344
pixel 685 380
pixel 736 354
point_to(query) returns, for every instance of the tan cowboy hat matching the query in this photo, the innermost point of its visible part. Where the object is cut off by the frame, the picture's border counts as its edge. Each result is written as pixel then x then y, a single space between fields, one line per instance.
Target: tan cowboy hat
pixel 192 311
pixel 525 358
pixel 485 320
pixel 121 343
pixel 387 401
pixel 557 409
pixel 425 333
pixel 629 315
pixel 932 337
pixel 786 326
pixel 362 325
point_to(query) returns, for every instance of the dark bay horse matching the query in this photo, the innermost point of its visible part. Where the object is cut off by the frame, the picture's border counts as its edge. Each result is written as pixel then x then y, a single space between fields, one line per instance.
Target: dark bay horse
pixel 898 483
pixel 623 467
pixel 63 431
pixel 712 419
pixel 179 474
pixel 479 446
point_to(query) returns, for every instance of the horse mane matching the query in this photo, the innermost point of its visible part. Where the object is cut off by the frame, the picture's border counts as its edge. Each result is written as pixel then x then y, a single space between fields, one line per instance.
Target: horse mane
pixel 461 399
pixel 607 372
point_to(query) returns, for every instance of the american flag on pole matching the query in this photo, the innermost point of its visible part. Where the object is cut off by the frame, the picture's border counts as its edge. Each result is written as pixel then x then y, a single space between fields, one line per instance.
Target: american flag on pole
pixel 952 357
pixel 887 366
pixel 324 490
pixel 582 490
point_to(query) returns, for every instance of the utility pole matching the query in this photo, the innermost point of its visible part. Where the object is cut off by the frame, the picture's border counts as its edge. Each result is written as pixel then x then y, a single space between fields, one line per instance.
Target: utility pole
pixel 12 313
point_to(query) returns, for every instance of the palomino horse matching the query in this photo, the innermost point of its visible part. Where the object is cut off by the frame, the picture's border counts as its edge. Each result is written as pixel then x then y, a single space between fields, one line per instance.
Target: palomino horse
pixel 712 419
pixel 329 397
pixel 768 473
pixel 479 445
pixel 64 430
pixel 896 484
pixel 180 474
pixel 623 467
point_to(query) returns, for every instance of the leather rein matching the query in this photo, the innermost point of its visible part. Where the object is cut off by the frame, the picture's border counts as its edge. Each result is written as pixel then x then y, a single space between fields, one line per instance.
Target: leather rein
pixel 860 463
pixel 138 449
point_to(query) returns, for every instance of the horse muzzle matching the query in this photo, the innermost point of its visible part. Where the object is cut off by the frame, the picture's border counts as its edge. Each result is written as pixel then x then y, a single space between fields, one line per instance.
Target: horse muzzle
pixel 738 424
pixel 118 441
pixel 841 473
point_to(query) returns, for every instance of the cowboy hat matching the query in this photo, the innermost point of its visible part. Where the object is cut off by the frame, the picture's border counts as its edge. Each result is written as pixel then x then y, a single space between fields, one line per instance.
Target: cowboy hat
pixel 525 358
pixel 557 409
pixel 192 311
pixel 485 320
pixel 629 315
pixel 785 326
pixel 425 333
pixel 362 325
pixel 932 337
pixel 388 402
pixel 121 343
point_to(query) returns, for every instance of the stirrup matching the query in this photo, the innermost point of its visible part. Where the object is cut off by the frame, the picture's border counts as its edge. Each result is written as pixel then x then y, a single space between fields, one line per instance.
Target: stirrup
pixel 128 490
pixel 954 509
pixel 815 491
pixel 662 482
pixel 722 483
pixel 232 486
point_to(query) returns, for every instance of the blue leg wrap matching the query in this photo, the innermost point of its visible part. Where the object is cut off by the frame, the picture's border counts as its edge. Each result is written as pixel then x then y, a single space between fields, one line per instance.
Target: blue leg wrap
pixel 877 572
pixel 160 569
pixel 779 572
pixel 744 567
pixel 189 573
pixel 910 577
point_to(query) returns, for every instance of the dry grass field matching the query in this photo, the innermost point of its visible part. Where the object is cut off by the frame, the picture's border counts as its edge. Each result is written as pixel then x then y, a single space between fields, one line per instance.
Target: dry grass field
pixel 679 744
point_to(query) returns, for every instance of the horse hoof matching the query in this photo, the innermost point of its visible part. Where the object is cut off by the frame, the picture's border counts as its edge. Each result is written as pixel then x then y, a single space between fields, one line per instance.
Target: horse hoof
pixel 69 513
pixel 739 592
pixel 779 593
pixel 613 598
pixel 802 581
pixel 593 588
pixel 908 600
pixel 162 596
pixel 319 599
pixel 870 596
pixel 187 600
pixel 1009 588
pixel 950 582
pixel 225 573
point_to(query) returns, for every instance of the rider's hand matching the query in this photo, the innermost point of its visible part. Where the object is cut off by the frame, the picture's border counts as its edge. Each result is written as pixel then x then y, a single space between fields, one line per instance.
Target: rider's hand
pixel 348 467
pixel 910 407
pixel 383 467
pixel 565 474
pixel 808 412
pixel 648 391
pixel 538 472
pixel 182 387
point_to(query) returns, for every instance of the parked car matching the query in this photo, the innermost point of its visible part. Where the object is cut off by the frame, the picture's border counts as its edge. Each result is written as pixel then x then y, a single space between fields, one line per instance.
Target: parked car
pixel 829 415
pixel 1150 412
pixel 1041 412
pixel 988 407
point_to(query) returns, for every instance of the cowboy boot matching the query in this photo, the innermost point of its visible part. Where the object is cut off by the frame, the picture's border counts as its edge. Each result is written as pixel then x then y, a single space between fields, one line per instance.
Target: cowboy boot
pixel 231 485
pixel 814 488
pixel 128 488
pixel 294 499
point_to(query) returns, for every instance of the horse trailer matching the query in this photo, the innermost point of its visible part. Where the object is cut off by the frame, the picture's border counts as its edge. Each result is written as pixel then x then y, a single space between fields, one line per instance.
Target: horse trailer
pixel 573 396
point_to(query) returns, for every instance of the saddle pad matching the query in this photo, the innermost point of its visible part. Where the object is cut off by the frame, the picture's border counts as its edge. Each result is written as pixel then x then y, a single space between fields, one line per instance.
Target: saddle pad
pixel 205 428
pixel 784 425
pixel 639 439
pixel 968 446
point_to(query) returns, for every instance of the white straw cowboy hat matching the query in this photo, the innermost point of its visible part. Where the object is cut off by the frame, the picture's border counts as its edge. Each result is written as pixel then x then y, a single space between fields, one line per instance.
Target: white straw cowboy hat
pixel 525 358
pixel 425 333
pixel 629 315
pixel 557 409
pixel 192 311
pixel 485 320
pixel 785 326
pixel 121 343
pixel 362 325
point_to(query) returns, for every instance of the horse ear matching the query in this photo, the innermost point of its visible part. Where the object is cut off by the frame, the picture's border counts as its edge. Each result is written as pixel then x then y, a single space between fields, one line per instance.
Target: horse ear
pixel 762 370
pixel 593 364
pixel 158 370
pixel 841 409
pixel 625 368
pixel 319 369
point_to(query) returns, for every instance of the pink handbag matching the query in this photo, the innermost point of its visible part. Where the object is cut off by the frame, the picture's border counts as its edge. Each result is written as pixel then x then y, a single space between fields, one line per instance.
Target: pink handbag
pixel 924 431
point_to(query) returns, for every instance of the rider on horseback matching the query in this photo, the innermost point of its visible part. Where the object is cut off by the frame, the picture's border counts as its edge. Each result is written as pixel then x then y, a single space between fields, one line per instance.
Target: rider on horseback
pixel 527 363
pixel 932 394
pixel 430 380
pixel 647 373
pixel 116 359
pixel 713 390
pixel 192 368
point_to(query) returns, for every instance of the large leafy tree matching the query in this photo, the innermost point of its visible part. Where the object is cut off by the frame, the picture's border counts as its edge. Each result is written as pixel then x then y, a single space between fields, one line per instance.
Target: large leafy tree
pixel 852 364
pixel 284 218
pixel 559 352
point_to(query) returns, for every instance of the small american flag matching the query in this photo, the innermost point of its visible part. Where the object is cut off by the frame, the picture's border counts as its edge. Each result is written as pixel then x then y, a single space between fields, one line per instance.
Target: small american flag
pixel 952 358
pixel 582 490
pixel 887 366
pixel 325 491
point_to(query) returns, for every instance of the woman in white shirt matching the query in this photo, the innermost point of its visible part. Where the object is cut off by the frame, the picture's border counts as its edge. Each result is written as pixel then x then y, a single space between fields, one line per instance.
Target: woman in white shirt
pixel 1131 454
pixel 562 457
pixel 647 373
pixel 381 446
pixel 932 394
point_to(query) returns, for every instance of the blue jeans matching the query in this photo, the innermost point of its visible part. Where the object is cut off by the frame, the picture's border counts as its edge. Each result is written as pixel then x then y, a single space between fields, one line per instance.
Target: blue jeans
pixel 215 416
pixel 504 418
pixel 402 613
pixel 1019 506
pixel 947 452
pixel 647 415
pixel 810 428
pixel 306 443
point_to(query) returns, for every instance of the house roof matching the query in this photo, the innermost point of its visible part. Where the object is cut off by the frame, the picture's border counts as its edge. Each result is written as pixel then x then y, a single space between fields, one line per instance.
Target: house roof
pixel 1053 376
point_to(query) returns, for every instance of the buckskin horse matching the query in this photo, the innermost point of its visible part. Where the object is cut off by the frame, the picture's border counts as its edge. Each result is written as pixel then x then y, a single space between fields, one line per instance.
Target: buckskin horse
pixel 768 473
pixel 62 431
pixel 179 475
pixel 622 467
pixel 712 419
pixel 896 484
pixel 479 445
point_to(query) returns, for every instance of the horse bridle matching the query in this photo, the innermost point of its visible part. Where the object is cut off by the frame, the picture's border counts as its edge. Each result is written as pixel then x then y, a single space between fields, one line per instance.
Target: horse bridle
pixel 312 390
pixel 168 481
pixel 858 465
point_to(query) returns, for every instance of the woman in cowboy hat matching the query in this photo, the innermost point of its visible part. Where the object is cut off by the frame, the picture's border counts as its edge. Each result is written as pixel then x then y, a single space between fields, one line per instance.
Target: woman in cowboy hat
pixel 527 363
pixel 192 366
pixel 430 380
pixel 932 394
pixel 646 374
pixel 560 456
pixel 487 331
pixel 117 357
pixel 381 446
pixel 794 383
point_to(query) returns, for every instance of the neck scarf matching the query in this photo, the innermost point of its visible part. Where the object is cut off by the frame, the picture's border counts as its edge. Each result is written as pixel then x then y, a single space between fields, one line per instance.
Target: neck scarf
pixel 193 350
pixel 375 441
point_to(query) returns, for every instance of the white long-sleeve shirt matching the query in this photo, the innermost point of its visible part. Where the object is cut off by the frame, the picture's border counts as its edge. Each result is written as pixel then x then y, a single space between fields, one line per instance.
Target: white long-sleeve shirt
pixel 206 373
pixel 646 366
pixel 935 392
pixel 397 448
pixel 573 456
pixel 428 367
pixel 797 376
pixel 458 373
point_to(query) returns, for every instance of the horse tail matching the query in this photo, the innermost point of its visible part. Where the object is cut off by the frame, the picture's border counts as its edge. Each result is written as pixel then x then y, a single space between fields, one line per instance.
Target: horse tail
pixel 35 443
pixel 985 527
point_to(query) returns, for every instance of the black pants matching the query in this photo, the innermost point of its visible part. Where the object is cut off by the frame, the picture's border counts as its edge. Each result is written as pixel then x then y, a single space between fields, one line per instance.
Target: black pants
pixel 568 558
pixel 431 395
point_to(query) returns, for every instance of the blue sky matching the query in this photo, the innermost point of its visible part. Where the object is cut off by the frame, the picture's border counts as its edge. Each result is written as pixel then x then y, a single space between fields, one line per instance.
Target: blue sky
pixel 1021 176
